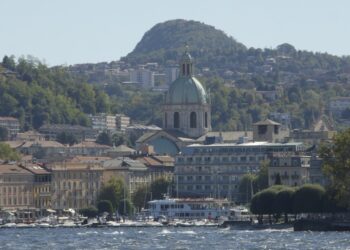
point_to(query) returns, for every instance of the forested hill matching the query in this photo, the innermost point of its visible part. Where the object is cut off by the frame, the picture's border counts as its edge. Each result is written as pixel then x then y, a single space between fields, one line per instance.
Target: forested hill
pixel 36 94
pixel 166 40
pixel 212 48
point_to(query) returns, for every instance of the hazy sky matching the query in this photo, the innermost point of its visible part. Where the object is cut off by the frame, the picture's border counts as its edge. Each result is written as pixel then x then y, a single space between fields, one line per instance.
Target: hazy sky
pixel 80 31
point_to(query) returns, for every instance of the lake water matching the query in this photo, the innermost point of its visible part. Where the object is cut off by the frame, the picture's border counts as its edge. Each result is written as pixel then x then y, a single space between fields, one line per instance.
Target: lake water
pixel 195 238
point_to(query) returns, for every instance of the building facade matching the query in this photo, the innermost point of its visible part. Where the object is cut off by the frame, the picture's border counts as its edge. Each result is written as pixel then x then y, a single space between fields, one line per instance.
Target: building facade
pixel 41 185
pixel 76 183
pixel 215 170
pixel 142 76
pixel 12 126
pixel 16 187
pixel 291 170
pixel 81 133
pixel 103 122
pixel 122 122
pixel 134 173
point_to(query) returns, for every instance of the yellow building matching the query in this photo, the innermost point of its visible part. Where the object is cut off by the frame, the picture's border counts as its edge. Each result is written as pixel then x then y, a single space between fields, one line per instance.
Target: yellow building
pixel 76 183
pixel 16 187
pixel 41 185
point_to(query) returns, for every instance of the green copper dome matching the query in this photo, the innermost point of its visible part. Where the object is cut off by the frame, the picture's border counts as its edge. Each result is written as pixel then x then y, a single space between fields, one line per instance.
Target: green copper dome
pixel 186 90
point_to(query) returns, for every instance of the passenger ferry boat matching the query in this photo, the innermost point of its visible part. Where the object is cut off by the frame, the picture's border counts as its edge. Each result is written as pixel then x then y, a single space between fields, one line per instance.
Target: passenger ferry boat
pixel 205 208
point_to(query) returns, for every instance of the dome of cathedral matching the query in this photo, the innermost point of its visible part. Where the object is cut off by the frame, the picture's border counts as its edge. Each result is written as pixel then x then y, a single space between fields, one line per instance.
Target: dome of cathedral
pixel 186 90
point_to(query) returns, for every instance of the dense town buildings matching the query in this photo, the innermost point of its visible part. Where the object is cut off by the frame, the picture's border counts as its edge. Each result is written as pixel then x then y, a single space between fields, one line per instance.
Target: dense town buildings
pixel 207 163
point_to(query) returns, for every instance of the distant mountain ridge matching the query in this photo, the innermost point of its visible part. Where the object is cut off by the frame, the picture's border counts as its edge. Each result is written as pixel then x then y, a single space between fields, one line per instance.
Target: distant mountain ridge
pixel 166 40
pixel 174 34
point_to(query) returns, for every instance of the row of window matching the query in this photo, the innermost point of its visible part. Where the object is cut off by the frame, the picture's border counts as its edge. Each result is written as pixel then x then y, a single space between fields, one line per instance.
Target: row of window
pixel 173 206
pixel 15 201
pixel 75 185
pixel 243 149
pixel 14 190
pixel 193 120
pixel 217 159
pixel 207 178
pixel 15 178
pixel 206 187
pixel 76 175
pixel 214 170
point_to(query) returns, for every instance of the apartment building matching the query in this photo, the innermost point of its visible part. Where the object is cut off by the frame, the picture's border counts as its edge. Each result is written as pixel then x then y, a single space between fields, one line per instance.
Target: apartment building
pixel 215 170
pixel 16 187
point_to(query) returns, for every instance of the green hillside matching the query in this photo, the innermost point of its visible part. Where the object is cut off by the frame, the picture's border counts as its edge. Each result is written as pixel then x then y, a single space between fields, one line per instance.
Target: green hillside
pixel 36 94
pixel 166 41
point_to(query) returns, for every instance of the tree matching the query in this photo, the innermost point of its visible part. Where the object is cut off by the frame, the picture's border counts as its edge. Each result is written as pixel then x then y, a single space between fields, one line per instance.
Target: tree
pixel 109 193
pixel 278 179
pixel 247 187
pixel 3 134
pixel 9 62
pixel 263 202
pixel 263 177
pixel 159 188
pixel 120 139
pixel 104 138
pixel 105 206
pixel 141 196
pixel 336 159
pixel 125 207
pixel 7 153
pixel 284 202
pixel 89 212
pixel 115 191
pixel 309 199
pixel 66 138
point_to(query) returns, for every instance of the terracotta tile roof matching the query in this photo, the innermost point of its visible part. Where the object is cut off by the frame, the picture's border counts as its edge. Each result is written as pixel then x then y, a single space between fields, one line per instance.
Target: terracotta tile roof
pixel 12 169
pixel 44 144
pixel 89 159
pixel 89 144
pixel 35 168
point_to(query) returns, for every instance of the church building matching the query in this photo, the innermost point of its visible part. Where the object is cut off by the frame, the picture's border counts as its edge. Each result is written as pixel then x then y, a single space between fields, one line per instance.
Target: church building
pixel 186 115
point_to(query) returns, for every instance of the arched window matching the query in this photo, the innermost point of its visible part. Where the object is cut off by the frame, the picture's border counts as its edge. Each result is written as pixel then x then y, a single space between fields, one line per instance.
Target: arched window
pixel 165 120
pixel 183 69
pixel 188 69
pixel 176 120
pixel 206 119
pixel 193 120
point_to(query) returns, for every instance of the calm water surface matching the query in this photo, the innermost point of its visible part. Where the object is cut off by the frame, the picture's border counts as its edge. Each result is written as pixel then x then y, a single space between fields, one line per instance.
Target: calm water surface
pixel 169 238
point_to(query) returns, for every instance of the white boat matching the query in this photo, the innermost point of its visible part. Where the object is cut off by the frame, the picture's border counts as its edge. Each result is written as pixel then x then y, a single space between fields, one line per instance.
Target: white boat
pixel 239 214
pixel 239 217
pixel 189 209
